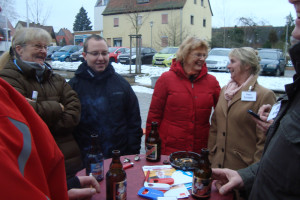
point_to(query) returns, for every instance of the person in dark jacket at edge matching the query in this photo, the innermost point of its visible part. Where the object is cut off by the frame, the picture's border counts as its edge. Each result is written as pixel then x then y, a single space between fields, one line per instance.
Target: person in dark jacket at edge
pixel 24 68
pixel 276 175
pixel 109 106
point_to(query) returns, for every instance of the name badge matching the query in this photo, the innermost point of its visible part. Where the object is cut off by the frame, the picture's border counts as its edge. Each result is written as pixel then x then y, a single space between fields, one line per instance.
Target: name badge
pixel 274 111
pixel 248 96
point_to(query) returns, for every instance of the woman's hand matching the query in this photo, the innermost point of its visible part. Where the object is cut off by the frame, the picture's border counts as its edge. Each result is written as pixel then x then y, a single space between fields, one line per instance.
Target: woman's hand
pixel 263 112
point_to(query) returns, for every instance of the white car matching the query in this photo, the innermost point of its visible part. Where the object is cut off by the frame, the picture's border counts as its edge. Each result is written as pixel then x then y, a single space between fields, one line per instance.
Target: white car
pixel 218 59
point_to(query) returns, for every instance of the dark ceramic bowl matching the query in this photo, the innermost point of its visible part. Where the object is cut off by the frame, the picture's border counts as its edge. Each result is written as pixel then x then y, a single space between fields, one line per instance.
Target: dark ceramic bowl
pixel 184 160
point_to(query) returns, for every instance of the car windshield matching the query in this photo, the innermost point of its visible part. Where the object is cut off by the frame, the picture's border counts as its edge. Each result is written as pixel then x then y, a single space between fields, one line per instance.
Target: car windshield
pixel 168 50
pixel 133 50
pixel 112 49
pixel 268 55
pixel 219 52
pixel 53 48
pixel 65 48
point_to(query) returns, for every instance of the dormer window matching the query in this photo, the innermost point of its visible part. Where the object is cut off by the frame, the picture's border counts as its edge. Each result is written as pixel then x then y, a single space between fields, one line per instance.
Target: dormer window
pixel 142 1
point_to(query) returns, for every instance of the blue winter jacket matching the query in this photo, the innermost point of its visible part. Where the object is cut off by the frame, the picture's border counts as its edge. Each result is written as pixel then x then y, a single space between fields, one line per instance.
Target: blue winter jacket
pixel 109 108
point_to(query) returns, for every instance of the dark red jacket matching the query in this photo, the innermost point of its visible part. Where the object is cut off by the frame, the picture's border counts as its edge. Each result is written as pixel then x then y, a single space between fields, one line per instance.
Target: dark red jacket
pixel 182 109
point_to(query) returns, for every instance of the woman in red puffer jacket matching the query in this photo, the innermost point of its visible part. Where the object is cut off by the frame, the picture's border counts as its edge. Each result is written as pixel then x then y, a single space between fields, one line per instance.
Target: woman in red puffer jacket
pixel 183 99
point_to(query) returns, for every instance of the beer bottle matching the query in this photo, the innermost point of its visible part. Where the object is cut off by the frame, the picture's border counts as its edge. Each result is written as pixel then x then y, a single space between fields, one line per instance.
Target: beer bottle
pixel 94 159
pixel 153 144
pixel 116 182
pixel 202 177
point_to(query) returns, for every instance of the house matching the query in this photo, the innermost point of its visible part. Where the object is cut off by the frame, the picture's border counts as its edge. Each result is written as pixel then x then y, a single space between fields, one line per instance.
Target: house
pixel 49 29
pixel 64 37
pixel 98 17
pixel 159 22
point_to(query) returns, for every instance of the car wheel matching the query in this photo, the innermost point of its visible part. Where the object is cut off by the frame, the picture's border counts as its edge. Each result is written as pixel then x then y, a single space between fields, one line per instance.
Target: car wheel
pixel 277 73
pixel 68 59
pixel 282 73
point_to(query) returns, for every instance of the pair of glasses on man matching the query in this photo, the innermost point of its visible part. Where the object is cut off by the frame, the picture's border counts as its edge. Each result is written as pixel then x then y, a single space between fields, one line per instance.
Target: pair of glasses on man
pixel 97 54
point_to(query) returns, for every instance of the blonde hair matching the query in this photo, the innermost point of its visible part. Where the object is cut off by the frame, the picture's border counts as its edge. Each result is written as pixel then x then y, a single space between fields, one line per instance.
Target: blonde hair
pixel 247 56
pixel 21 37
pixel 188 45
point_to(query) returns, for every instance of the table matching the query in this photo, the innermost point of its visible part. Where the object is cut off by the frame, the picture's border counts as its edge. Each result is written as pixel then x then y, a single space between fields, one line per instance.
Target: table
pixel 136 178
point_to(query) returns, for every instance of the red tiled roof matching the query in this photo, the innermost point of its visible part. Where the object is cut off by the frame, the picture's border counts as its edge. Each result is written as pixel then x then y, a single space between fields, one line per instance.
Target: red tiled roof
pixel 126 6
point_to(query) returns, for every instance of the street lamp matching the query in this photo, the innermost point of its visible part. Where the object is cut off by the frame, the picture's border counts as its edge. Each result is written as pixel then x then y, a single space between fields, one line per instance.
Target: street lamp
pixel 151 24
pixel 286 37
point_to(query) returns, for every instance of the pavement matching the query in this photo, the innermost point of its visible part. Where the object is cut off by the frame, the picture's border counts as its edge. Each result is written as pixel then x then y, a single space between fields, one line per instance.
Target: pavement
pixel 144 102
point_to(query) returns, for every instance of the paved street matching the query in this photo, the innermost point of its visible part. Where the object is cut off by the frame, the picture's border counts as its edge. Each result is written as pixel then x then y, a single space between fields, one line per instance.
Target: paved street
pixel 144 101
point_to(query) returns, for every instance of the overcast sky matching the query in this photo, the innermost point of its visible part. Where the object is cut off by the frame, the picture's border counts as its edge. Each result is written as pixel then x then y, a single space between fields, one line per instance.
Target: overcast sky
pixel 225 12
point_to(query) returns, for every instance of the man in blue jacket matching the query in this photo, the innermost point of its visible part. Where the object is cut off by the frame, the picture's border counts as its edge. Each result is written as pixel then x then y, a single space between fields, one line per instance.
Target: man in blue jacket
pixel 109 105
pixel 276 175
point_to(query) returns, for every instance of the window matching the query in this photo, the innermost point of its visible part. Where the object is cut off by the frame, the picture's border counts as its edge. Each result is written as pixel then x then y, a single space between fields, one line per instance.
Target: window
pixel 195 1
pixel 192 19
pixel 164 41
pixel 116 22
pixel 142 1
pixel 108 41
pixel 164 18
pixel 204 22
pixel 202 3
pixel 139 20
pixel 117 42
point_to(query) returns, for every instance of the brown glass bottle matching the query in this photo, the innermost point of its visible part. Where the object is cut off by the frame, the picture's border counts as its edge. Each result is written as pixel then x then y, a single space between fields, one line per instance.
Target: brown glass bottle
pixel 202 177
pixel 116 183
pixel 94 160
pixel 153 144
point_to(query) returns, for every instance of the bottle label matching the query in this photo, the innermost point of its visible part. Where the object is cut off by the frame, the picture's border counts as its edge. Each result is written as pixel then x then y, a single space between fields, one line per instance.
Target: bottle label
pixel 151 151
pixel 201 187
pixel 120 190
pixel 97 170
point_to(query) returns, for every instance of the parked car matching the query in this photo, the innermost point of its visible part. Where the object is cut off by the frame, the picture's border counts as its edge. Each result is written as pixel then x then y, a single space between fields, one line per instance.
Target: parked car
pixel 165 56
pixel 217 59
pixel 77 56
pixel 146 56
pixel 51 50
pixel 65 52
pixel 114 52
pixel 271 62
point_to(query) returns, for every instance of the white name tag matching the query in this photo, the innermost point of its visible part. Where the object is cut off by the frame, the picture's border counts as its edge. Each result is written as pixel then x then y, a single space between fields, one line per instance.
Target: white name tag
pixel 248 96
pixel 274 111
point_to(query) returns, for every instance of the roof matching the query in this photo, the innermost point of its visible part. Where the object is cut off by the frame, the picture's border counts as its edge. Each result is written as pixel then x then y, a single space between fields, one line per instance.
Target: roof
pixel 49 29
pixel 127 6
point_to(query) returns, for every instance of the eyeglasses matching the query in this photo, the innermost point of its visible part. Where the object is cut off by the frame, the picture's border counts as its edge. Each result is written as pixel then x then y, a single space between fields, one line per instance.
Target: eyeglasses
pixel 199 55
pixel 38 46
pixel 97 54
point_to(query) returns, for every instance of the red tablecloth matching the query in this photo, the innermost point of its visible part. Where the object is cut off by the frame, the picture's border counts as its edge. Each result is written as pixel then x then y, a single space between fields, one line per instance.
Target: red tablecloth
pixel 136 178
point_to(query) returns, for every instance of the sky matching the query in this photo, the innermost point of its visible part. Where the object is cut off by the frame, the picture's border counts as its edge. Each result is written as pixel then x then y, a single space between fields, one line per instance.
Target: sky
pixel 270 82
pixel 225 12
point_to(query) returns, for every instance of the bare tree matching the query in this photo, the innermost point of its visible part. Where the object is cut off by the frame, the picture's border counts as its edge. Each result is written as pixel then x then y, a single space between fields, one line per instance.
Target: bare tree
pixel 39 14
pixel 8 9
pixel 173 32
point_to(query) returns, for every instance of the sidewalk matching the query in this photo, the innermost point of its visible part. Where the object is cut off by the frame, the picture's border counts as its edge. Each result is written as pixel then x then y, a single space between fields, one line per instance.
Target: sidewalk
pixel 144 102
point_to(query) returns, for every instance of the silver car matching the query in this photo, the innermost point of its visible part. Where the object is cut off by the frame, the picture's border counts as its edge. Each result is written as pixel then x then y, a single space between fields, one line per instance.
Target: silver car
pixel 217 59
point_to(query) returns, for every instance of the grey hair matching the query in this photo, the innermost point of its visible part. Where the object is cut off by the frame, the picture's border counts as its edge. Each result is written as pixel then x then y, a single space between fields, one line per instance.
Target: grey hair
pixel 247 56
pixel 25 35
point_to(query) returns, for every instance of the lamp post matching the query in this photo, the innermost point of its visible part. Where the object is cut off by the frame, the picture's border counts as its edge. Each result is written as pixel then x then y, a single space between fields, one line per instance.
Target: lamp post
pixel 286 37
pixel 151 24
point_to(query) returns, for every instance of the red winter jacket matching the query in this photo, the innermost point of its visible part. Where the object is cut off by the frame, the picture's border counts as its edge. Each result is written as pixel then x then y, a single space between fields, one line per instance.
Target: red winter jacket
pixel 32 166
pixel 182 109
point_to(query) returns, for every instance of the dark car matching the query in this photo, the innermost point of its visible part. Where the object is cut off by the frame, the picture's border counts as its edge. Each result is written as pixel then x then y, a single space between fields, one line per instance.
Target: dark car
pixel 77 56
pixel 146 56
pixel 114 52
pixel 272 62
pixel 51 50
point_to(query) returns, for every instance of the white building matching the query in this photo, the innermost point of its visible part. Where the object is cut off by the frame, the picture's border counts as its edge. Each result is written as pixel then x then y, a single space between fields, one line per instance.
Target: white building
pixel 98 17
